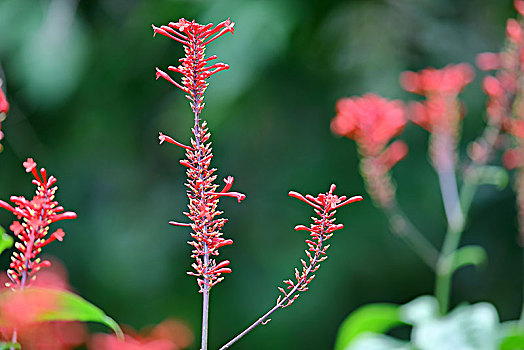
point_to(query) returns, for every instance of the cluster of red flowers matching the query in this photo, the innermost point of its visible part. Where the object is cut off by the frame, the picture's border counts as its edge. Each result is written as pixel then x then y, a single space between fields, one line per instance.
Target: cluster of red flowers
pixel 505 101
pixel 372 121
pixel 37 214
pixel 194 68
pixel 322 228
pixel 441 112
pixel 203 196
pixel 4 108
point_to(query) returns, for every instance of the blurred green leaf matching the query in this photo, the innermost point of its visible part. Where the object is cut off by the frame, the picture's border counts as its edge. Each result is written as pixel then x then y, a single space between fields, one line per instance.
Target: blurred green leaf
pixel 490 175
pixel 60 305
pixel 372 341
pixel 420 310
pixel 471 327
pixel 9 346
pixel 374 318
pixel 512 336
pixel 6 241
pixel 470 255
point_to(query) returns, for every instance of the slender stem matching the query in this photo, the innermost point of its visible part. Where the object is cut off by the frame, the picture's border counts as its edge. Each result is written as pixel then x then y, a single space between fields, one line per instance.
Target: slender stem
pixel 205 308
pixel 455 218
pixel 404 228
pixel 284 300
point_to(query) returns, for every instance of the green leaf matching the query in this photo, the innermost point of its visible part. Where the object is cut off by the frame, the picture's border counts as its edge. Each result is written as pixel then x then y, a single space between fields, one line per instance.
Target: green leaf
pixel 9 346
pixel 420 310
pixel 512 336
pixel 490 175
pixel 469 255
pixel 60 305
pixel 371 341
pixel 374 318
pixel 6 241
pixel 470 327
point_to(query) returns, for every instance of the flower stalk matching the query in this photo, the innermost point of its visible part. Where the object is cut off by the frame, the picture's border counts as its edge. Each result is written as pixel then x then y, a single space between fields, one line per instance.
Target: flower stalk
pixel 321 230
pixel 202 192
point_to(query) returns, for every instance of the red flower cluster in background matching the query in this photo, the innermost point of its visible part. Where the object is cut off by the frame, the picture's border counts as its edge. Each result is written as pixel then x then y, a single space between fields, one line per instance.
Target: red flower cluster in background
pixel 440 112
pixel 168 335
pixel 4 108
pixel 33 232
pixel 372 121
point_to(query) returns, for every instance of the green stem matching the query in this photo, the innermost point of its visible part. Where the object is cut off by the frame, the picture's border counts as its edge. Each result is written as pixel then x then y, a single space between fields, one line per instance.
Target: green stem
pixel 404 228
pixel 446 261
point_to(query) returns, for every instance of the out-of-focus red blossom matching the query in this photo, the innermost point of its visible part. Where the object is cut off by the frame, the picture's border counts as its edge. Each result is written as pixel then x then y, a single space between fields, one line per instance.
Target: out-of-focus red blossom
pixel 449 80
pixel 487 61
pixel 33 232
pixel 4 108
pixel 168 335
pixel 53 336
pixel 21 310
pixel 372 121
pixel 440 112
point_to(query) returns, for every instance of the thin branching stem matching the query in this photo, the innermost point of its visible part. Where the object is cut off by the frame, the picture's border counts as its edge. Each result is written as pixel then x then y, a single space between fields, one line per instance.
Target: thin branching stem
pixel 406 230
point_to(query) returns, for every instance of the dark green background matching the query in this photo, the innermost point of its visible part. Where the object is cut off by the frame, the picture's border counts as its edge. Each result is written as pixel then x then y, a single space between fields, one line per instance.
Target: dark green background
pixel 85 105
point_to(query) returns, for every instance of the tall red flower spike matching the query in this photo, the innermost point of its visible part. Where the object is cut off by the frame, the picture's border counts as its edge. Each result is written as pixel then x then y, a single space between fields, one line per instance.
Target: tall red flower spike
pixel 202 191
pixel 33 232
pixel 372 121
pixel 321 230
pixel 4 108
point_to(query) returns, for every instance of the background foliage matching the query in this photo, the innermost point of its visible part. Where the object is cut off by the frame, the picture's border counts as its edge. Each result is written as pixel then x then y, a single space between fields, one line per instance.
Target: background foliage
pixel 80 79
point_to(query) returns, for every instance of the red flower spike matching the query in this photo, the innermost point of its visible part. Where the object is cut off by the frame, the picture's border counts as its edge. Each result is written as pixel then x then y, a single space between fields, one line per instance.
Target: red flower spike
pixel 320 231
pixel 202 192
pixel 37 214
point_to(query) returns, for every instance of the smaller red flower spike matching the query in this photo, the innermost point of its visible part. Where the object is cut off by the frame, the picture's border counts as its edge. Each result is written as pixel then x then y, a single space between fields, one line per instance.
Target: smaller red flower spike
pixel 322 228
pixel 37 214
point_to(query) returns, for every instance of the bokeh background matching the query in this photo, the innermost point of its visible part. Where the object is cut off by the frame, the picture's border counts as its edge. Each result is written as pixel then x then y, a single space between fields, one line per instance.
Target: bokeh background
pixel 85 104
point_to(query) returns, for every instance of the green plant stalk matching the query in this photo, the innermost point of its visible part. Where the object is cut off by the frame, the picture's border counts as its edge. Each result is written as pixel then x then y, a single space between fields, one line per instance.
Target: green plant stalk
pixel 404 228
pixel 446 261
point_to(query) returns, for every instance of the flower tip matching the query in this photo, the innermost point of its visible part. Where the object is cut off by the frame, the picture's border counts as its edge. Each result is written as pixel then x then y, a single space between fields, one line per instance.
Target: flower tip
pixel 29 165
pixel 356 198
pixel 161 137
